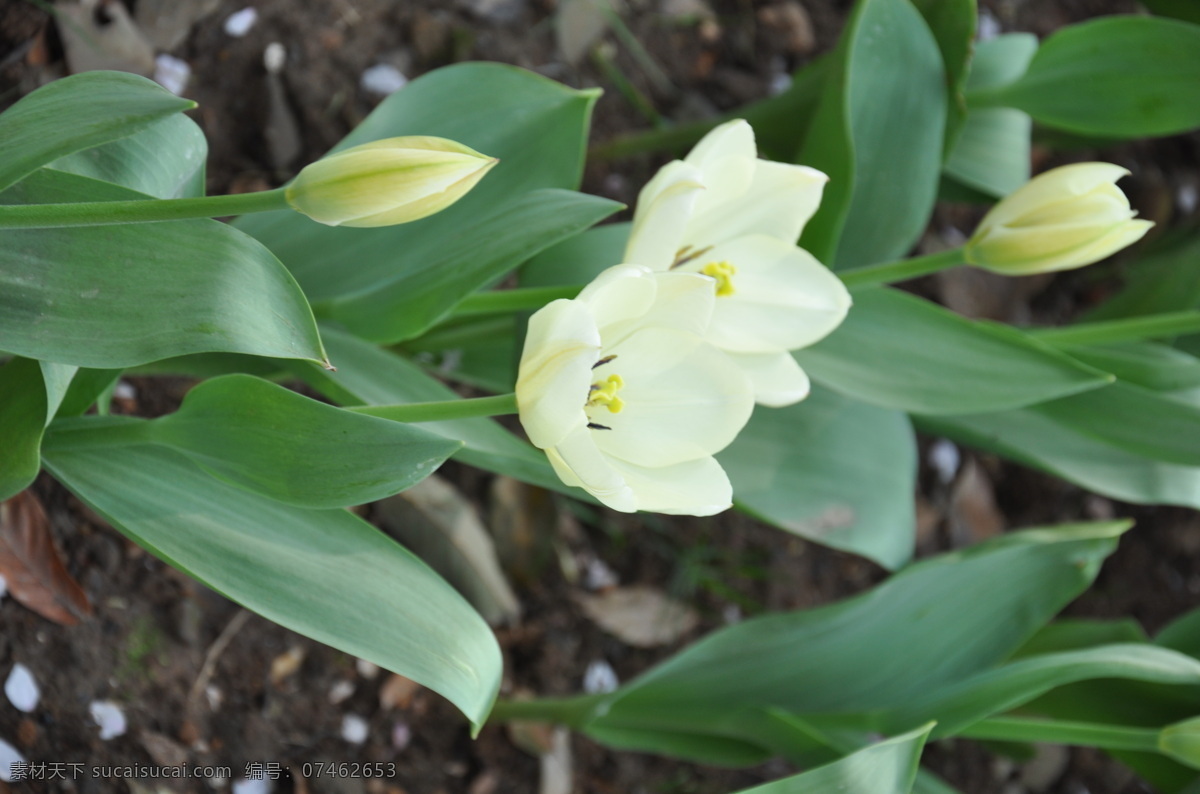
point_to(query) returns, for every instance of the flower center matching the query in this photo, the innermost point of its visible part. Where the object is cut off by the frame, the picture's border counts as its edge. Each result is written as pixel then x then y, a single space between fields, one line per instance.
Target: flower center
pixel 723 273
pixel 605 393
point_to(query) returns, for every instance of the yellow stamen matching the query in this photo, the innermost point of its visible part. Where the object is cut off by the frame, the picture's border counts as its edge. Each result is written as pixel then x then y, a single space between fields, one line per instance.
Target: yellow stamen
pixel 606 394
pixel 723 272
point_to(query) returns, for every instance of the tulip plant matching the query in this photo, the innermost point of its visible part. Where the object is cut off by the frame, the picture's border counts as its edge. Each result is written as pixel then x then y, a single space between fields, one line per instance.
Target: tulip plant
pixel 736 344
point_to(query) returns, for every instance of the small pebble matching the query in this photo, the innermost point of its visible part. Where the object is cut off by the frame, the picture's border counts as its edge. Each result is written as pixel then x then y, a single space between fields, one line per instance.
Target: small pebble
pixel 252 786
pixel 340 691
pixel 3 586
pixel 401 735
pixel 383 79
pixel 21 689
pixel 600 678
pixel 238 24
pixel 172 73
pixel 8 757
pixel 945 459
pixel 124 390
pixel 988 27
pixel 354 729
pixel 367 670
pixel 274 57
pixel 598 576
pixel 109 717
pixel 1186 198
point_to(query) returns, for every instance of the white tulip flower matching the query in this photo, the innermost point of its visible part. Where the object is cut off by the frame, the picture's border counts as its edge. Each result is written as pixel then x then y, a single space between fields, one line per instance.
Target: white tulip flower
pixel 629 402
pixel 726 214
pixel 1066 218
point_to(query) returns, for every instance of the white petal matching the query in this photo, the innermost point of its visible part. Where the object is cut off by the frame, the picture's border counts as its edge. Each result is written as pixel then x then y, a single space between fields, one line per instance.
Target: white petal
pixel 561 345
pixel 731 139
pixel 1050 187
pixel 663 208
pixel 578 462
pixel 783 299
pixel 778 202
pixel 1121 236
pixel 683 400
pixel 695 488
pixel 776 377
pixel 621 293
pixel 726 158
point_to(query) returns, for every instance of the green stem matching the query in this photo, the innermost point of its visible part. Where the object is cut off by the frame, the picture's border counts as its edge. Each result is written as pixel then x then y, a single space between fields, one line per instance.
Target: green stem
pixel 889 272
pixel 446 409
pixel 571 712
pixel 512 300
pixel 1083 734
pixel 102 213
pixel 1130 329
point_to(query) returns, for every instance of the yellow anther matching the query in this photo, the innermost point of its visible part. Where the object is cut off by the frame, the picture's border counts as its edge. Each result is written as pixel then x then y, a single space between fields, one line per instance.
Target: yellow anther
pixel 606 394
pixel 723 272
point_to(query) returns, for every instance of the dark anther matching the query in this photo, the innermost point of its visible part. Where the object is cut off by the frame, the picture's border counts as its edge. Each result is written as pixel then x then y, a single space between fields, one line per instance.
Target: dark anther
pixel 595 426
pixel 602 362
pixel 686 254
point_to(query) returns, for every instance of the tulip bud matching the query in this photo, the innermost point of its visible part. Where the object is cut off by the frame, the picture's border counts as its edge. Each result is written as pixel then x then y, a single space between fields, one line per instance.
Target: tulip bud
pixel 395 180
pixel 1181 741
pixel 1065 218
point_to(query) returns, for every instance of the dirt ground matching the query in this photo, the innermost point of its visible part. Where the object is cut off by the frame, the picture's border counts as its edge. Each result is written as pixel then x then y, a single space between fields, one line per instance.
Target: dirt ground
pixel 202 682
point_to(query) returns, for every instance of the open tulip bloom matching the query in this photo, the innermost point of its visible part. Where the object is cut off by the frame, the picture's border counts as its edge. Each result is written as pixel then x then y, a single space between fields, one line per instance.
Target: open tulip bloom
pixel 724 213
pixel 626 397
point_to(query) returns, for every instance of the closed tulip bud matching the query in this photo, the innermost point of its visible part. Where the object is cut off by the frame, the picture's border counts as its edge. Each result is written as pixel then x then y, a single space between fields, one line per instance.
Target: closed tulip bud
pixel 1065 218
pixel 395 180
pixel 1181 741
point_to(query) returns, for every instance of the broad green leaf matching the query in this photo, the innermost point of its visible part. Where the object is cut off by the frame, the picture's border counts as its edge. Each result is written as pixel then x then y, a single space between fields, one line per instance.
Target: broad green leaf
pixel 1117 76
pixel 992 151
pixel 952 23
pixel 117 296
pixel 369 375
pixel 899 351
pixel 832 470
pixel 422 290
pixel 76 113
pixel 878 133
pixel 1148 423
pixel 24 413
pixel 881 650
pixel 324 573
pixel 86 387
pixel 1074 633
pixel 888 767
pixel 537 127
pixel 964 703
pixel 265 438
pixel 1146 364
pixel 165 160
pixel 1180 9
pixel 488 362
pixel 579 259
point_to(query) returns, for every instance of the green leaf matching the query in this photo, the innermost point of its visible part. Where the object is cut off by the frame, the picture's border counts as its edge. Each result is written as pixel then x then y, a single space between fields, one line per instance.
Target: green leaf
pixel 263 437
pixel 1146 364
pixel 165 160
pixel 992 151
pixel 952 23
pixel 897 643
pixel 1180 9
pixel 422 290
pixel 117 296
pixel 888 767
pixel 369 375
pixel 85 389
pixel 966 702
pixel 878 133
pixel 538 129
pixel 1030 437
pixel 1152 424
pixel 832 470
pixel 76 113
pixel 24 413
pixel 1163 280
pixel 578 259
pixel 899 351
pixel 324 573
pixel 1117 76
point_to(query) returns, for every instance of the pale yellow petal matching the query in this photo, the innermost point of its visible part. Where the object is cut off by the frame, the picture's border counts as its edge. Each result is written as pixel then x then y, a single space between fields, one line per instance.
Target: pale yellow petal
pixel 779 202
pixel 663 208
pixel 561 345
pixel 578 462
pixel 695 488
pixel 776 377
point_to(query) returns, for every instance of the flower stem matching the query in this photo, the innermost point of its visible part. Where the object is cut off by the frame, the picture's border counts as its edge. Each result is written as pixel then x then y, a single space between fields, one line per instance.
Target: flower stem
pixel 446 409
pixel 1130 329
pixel 889 272
pixel 512 300
pixel 103 213
pixel 571 712
pixel 1083 734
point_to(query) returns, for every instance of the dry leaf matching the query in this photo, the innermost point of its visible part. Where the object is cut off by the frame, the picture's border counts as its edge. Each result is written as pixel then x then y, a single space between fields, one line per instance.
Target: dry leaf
pixel 286 664
pixel 397 692
pixel 557 772
pixel 579 24
pixel 101 35
pixel 640 615
pixel 32 565
pixel 524 523
pixel 974 516
pixel 535 738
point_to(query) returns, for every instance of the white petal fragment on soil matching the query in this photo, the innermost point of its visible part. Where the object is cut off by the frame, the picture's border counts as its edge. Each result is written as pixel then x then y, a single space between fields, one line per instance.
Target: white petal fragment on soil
pixel 8 757
pixel 172 73
pixel 21 689
pixel 238 23
pixel 383 79
pixel 109 717
pixel 600 678
pixel 355 729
